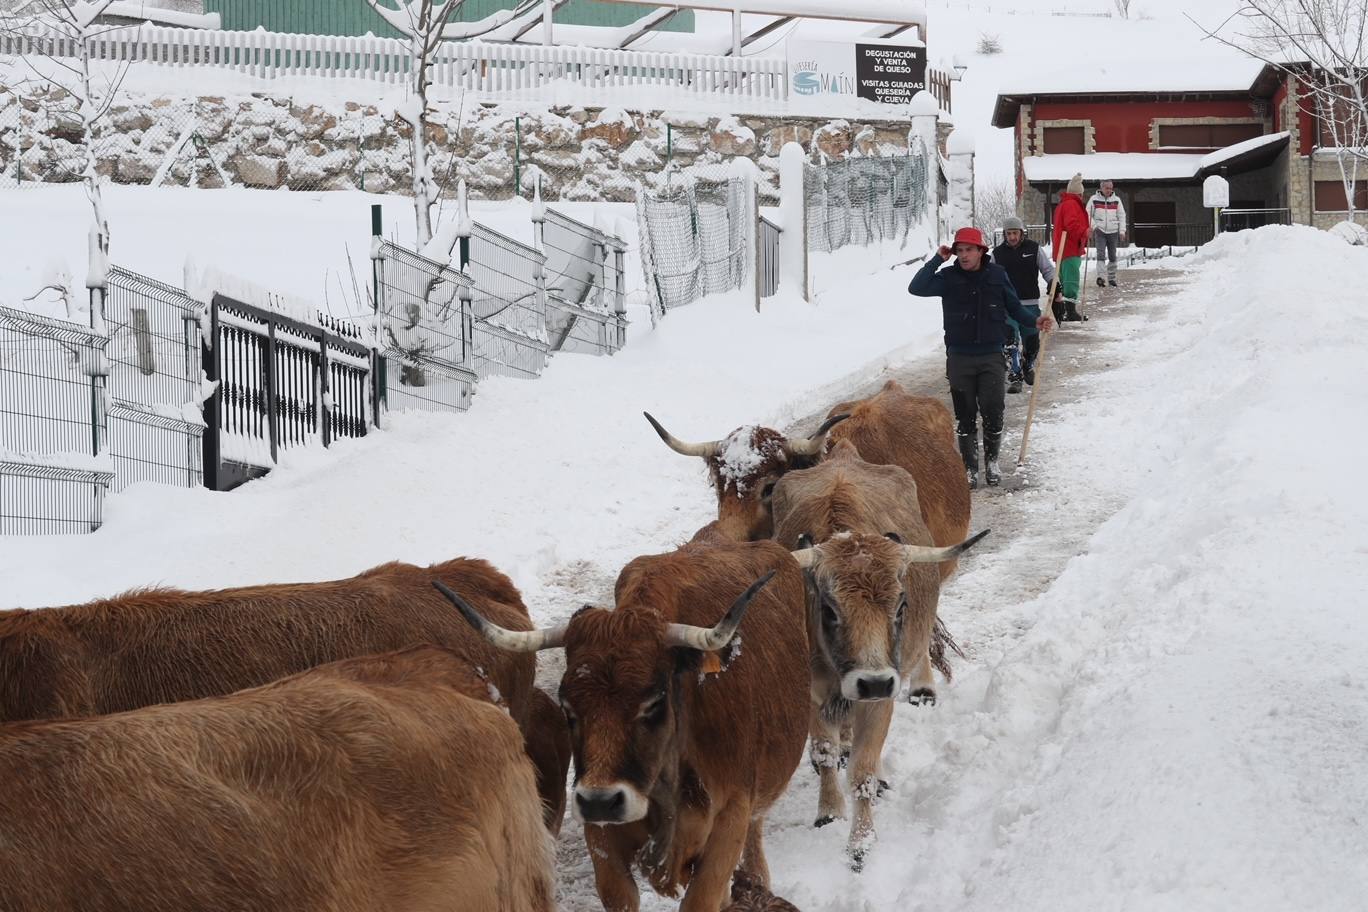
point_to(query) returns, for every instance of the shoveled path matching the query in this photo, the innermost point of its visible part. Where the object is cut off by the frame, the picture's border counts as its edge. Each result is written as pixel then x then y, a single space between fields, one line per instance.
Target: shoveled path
pixel 1037 527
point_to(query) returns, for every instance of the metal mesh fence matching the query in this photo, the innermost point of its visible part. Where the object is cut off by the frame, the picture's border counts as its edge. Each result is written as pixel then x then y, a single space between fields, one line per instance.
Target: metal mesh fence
pixel 862 201
pixel 425 331
pixel 508 305
pixel 51 421
pixel 697 235
pixel 584 284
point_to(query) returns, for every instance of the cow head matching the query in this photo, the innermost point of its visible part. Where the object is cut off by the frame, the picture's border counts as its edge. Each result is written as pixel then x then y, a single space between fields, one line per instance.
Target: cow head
pixel 859 607
pixel 622 697
pixel 744 467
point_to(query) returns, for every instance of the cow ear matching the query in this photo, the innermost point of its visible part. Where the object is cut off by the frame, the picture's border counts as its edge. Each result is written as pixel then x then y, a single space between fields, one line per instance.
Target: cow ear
pixel 893 537
pixel 686 660
pixel 804 541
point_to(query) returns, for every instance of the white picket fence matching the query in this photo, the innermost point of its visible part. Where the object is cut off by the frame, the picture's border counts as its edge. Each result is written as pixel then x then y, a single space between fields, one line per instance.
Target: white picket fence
pixel 471 65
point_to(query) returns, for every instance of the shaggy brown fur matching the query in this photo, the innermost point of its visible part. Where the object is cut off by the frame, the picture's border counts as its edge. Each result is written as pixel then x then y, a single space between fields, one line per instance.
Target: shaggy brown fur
pixel 748 895
pixel 917 433
pixel 165 645
pixel 869 611
pixel 379 784
pixel 725 743
pixel 891 427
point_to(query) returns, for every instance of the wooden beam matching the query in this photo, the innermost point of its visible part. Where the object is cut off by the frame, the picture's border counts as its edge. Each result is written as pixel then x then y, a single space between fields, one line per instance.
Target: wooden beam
pixel 845 10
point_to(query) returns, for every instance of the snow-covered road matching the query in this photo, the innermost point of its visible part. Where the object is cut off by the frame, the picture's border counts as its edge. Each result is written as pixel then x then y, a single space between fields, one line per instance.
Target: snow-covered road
pixel 1163 707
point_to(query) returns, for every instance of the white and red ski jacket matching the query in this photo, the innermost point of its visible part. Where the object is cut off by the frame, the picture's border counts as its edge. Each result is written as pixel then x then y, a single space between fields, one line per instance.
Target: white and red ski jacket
pixel 1107 213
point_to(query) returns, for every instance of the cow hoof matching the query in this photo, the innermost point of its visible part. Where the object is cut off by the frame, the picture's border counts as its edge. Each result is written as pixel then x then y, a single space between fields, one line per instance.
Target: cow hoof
pixel 823 821
pixel 883 787
pixel 922 696
pixel 845 759
pixel 857 860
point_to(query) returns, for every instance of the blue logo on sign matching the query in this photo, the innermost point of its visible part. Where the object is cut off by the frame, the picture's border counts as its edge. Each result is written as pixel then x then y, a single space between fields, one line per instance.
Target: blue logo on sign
pixel 805 82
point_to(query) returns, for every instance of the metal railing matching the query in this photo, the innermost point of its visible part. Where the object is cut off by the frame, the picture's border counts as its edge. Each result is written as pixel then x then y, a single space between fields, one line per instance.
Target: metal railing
pixel 52 425
pixel 281 384
pixel 769 258
pixel 426 332
pixel 491 68
pixel 508 305
pixel 1243 219
pixel 584 284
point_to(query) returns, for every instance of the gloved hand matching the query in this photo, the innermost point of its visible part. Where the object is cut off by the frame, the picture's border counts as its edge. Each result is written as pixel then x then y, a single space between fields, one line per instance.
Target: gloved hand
pixel 945 252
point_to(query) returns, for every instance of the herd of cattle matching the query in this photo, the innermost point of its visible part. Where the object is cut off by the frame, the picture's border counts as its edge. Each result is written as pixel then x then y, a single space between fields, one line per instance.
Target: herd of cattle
pixel 377 743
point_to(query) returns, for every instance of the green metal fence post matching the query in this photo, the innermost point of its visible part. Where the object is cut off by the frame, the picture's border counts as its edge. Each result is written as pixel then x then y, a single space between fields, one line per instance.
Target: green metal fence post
pixel 669 142
pixel 378 366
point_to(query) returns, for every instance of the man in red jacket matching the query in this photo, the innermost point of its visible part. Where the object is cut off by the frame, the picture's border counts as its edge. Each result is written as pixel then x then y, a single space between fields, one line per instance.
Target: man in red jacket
pixel 1070 216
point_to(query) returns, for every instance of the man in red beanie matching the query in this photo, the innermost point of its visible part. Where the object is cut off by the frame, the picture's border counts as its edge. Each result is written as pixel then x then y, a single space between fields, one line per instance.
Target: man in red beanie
pixel 976 296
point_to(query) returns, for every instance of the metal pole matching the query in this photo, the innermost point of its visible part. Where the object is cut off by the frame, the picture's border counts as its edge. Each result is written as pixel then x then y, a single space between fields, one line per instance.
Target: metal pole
pixel 517 155
pixel 213 406
pixel 377 271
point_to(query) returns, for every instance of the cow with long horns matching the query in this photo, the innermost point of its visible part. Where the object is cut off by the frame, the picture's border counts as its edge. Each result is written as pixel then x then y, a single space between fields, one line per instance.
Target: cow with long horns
pixel 385 783
pixel 166 645
pixel 891 427
pixel 687 705
pixel 873 586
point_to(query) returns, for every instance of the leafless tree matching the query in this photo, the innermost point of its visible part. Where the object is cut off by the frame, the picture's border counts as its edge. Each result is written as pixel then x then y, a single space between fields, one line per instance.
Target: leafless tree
pixel 994 201
pixel 1323 45
pixel 63 61
pixel 1123 8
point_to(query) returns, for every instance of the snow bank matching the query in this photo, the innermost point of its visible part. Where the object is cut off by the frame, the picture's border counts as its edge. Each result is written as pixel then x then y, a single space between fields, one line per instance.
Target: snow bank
pixel 1179 724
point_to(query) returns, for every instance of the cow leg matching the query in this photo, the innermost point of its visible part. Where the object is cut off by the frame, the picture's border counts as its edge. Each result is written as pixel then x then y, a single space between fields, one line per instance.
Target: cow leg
pixel 708 887
pixel 871 729
pixel 611 850
pixel 753 859
pixel 825 750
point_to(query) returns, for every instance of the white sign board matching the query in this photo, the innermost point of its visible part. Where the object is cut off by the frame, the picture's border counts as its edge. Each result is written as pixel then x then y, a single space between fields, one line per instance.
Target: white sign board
pixel 1216 192
pixel 887 72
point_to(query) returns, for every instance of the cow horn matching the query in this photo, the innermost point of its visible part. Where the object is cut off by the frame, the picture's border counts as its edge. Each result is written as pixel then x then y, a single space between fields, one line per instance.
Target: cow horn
pixel 919 554
pixel 711 448
pixel 509 640
pixel 710 639
pixel 812 446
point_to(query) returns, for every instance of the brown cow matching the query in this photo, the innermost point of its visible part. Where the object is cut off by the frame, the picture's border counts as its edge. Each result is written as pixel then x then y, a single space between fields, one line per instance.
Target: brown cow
pixel 165 645
pixel 872 595
pixel 749 895
pixel 683 738
pixel 377 784
pixel 891 427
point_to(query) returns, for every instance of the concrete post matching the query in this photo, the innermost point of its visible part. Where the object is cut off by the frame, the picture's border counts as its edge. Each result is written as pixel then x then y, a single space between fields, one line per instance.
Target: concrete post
pixel 793 247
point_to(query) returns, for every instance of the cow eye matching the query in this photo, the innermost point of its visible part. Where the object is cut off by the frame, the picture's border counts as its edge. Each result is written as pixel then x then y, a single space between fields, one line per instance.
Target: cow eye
pixel 767 491
pixel 653 710
pixel 831 618
pixel 902 612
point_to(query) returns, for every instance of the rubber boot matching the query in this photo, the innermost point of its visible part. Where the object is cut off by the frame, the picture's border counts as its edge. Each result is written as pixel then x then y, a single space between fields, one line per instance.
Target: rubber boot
pixel 1071 314
pixel 1057 308
pixel 968 447
pixel 992 444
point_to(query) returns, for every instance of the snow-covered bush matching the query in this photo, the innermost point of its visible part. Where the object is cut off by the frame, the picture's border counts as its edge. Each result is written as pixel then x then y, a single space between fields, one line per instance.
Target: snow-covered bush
pixel 1351 233
pixel 988 45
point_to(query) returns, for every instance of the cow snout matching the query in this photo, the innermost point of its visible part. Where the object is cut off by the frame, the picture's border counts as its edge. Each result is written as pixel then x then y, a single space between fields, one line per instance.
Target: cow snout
pixel 617 804
pixel 877 684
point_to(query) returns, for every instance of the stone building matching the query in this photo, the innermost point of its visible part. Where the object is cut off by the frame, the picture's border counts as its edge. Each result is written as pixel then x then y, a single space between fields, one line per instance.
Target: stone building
pixel 1159 134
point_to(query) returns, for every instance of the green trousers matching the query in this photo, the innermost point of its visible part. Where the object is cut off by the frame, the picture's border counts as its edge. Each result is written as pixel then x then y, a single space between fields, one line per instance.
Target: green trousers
pixel 1070 272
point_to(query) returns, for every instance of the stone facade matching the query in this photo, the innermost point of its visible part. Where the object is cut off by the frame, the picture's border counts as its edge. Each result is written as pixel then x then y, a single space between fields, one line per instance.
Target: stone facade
pixel 272 141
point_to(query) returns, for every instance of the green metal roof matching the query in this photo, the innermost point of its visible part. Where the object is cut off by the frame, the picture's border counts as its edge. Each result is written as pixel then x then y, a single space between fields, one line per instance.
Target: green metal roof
pixel 355 17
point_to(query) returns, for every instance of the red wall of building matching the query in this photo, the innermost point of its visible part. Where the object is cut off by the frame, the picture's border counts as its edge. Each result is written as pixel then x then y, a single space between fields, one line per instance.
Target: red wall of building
pixel 1123 126
pixel 1305 122
pixel 1278 98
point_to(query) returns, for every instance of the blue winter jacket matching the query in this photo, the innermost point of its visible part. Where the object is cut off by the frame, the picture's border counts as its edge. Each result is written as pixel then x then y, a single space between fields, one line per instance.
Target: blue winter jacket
pixel 976 304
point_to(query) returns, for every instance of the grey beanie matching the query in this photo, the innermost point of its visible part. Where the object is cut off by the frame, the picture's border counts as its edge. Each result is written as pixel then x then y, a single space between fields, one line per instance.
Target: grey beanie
pixel 1012 223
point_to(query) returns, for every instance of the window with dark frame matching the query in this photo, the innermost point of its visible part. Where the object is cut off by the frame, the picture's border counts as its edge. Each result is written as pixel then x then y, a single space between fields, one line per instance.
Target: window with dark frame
pixel 1330 196
pixel 1206 136
pixel 1065 141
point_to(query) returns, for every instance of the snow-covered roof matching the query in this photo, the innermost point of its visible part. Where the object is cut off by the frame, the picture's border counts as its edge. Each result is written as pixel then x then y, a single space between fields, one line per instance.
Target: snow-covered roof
pixel 1096 75
pixel 1134 166
pixel 892 11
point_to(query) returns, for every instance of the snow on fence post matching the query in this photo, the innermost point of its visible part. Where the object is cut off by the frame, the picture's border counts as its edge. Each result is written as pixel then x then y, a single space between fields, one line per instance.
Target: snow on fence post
pixel 793 244
pixel 960 152
pixel 377 256
pixel 925 112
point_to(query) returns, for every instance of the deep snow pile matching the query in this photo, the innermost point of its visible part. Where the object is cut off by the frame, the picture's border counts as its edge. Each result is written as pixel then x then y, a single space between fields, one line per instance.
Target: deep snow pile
pixel 1179 721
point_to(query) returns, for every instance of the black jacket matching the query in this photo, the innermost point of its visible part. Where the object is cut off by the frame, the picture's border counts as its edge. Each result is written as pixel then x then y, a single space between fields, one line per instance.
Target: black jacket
pixel 975 304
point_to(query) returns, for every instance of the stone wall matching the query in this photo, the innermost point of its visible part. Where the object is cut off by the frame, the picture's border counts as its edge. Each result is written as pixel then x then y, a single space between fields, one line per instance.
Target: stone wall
pixel 271 141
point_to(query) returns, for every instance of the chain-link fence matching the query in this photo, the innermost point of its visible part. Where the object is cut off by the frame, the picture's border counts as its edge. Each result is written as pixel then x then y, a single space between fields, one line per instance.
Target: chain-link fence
pixel 862 201
pixel 697 238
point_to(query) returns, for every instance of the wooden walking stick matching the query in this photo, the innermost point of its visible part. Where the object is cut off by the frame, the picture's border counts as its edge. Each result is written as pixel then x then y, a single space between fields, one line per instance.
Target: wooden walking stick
pixel 1040 355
